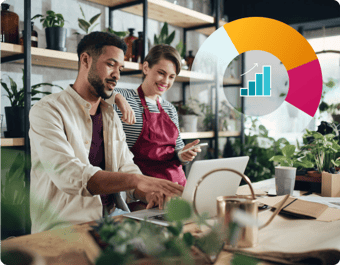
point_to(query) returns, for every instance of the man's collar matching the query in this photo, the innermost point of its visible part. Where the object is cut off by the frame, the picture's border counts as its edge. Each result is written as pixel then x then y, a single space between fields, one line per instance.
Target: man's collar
pixel 82 101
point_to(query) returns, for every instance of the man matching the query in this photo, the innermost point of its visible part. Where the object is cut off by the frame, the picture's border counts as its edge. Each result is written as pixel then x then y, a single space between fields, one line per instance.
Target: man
pixel 78 145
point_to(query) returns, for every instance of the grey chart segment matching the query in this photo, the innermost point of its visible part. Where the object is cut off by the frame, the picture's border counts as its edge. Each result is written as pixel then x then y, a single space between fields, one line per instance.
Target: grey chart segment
pixel 266 78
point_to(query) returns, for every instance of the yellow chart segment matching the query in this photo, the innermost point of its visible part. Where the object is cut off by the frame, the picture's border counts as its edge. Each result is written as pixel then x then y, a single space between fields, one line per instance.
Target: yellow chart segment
pixel 269 35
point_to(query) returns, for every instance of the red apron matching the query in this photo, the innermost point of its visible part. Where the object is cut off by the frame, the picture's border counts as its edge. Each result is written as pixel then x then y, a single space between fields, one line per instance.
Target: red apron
pixel 154 151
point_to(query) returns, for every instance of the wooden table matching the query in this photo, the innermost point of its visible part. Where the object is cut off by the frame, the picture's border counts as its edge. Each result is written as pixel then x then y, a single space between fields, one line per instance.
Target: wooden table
pixel 74 245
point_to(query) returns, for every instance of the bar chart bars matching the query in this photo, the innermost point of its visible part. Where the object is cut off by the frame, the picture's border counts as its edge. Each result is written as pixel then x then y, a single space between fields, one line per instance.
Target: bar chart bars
pixel 261 86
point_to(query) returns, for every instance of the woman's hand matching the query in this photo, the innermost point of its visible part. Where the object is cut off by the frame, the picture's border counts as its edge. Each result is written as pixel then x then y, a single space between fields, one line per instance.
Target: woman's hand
pixel 190 155
pixel 128 115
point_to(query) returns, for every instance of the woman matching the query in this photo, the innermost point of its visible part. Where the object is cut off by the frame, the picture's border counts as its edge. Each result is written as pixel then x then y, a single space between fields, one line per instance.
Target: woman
pixel 151 123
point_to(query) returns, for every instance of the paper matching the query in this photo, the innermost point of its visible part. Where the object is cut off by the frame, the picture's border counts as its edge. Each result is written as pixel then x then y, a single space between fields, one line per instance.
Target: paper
pixel 329 201
pixel 315 210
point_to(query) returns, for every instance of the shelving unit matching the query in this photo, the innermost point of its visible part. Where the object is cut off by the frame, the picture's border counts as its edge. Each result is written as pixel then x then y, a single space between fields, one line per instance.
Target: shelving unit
pixel 162 10
pixel 68 60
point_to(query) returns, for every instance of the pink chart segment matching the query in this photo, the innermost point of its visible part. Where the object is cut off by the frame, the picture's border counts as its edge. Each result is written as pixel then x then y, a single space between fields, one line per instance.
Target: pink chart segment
pixel 305 87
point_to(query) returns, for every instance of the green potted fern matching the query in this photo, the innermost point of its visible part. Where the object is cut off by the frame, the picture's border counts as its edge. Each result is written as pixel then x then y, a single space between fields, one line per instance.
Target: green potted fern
pixel 15 113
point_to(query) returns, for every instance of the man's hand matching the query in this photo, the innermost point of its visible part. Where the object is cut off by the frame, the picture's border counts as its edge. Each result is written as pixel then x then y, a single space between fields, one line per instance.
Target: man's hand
pixel 128 115
pixel 154 199
pixel 164 187
pixel 190 155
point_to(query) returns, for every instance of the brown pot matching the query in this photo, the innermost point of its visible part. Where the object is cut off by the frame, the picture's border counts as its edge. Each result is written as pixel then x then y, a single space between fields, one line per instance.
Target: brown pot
pixel 314 174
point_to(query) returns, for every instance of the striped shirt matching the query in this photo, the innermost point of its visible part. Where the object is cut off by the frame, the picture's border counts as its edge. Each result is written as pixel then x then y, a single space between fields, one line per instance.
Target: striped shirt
pixel 133 131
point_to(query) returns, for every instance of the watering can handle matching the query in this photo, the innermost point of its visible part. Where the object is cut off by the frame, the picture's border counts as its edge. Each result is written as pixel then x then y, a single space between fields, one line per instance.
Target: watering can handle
pixel 278 209
pixel 244 177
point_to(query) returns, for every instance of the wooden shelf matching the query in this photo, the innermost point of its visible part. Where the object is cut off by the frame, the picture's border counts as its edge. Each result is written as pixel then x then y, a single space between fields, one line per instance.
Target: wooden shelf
pixel 52 58
pixel 207 135
pixel 68 60
pixel 162 11
pixel 12 141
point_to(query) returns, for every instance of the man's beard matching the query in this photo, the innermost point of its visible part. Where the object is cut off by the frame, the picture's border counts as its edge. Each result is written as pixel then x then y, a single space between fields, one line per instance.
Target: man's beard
pixel 97 84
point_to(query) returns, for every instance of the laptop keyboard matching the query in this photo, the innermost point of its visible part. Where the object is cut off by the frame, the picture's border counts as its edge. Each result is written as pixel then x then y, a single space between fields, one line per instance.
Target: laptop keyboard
pixel 160 217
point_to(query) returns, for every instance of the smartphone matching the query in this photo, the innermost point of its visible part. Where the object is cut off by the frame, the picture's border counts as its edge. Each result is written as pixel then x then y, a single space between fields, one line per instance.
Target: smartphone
pixel 193 147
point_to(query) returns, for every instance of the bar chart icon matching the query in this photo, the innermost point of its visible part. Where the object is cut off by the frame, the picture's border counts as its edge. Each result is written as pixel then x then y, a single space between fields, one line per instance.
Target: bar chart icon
pixel 261 86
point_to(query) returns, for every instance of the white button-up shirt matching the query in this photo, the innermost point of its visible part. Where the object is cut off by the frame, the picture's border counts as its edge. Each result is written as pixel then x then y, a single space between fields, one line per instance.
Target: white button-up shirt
pixel 60 137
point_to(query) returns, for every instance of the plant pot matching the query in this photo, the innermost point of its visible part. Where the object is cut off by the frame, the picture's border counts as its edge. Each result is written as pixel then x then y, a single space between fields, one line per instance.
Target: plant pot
pixel 190 123
pixel 15 122
pixel 313 173
pixel 56 38
pixel 330 185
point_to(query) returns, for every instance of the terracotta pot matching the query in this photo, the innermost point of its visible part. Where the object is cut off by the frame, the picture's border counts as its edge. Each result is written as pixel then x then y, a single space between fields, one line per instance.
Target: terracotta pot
pixel 314 174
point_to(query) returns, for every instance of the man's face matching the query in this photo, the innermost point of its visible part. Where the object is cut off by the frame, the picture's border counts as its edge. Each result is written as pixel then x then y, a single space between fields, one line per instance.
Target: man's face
pixel 105 71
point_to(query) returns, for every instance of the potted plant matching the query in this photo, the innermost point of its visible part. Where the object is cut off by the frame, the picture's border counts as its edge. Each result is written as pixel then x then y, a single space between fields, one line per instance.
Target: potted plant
pixel 165 38
pixel 188 117
pixel 54 29
pixel 86 26
pixel 133 242
pixel 326 152
pixel 291 159
pixel 15 113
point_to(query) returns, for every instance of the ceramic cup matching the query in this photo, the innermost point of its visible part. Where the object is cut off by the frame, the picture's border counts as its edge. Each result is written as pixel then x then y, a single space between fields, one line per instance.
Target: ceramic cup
pixel 285 180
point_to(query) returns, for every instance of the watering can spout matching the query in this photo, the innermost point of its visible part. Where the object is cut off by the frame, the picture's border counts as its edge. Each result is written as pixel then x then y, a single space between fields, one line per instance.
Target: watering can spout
pixel 278 209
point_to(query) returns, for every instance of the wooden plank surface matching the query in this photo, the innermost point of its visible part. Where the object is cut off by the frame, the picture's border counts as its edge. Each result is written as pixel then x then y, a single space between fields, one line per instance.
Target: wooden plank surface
pixel 209 134
pixel 12 141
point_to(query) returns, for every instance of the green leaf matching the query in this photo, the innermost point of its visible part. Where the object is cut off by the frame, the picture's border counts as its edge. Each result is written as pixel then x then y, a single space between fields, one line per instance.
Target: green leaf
pixel 13 86
pixel 336 163
pixel 36 16
pixel 50 13
pixel 94 18
pixel 93 26
pixel 82 27
pixel 4 85
pixel 240 259
pixel 288 150
pixel 155 40
pixel 174 230
pixel 277 158
pixel 82 12
pixel 170 38
pixel 178 209
pixel 85 25
pixel 188 239
pixel 164 31
pixel 46 84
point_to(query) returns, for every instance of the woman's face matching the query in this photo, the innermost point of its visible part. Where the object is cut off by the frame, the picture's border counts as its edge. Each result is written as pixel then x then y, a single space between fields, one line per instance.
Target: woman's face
pixel 159 78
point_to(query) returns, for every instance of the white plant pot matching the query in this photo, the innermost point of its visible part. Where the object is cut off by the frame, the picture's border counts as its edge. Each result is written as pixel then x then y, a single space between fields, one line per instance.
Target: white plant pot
pixel 190 123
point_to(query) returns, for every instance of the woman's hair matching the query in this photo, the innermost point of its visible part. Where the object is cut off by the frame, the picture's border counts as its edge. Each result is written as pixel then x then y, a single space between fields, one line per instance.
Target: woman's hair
pixel 163 51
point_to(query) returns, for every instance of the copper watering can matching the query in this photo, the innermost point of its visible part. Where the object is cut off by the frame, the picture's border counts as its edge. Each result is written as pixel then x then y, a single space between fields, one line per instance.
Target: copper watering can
pixel 226 205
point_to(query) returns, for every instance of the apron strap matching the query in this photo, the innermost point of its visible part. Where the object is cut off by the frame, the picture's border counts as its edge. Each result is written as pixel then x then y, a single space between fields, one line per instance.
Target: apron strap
pixel 142 99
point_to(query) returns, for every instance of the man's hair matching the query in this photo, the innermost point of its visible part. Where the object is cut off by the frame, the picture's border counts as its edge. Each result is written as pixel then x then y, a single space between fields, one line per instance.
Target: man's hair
pixel 163 51
pixel 94 42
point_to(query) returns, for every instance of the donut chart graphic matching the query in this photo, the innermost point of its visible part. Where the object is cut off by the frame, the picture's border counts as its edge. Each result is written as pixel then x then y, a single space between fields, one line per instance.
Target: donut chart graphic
pixel 277 38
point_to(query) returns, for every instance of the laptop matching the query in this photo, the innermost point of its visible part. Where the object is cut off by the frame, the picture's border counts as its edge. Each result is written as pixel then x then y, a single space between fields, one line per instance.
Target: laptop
pixel 223 183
